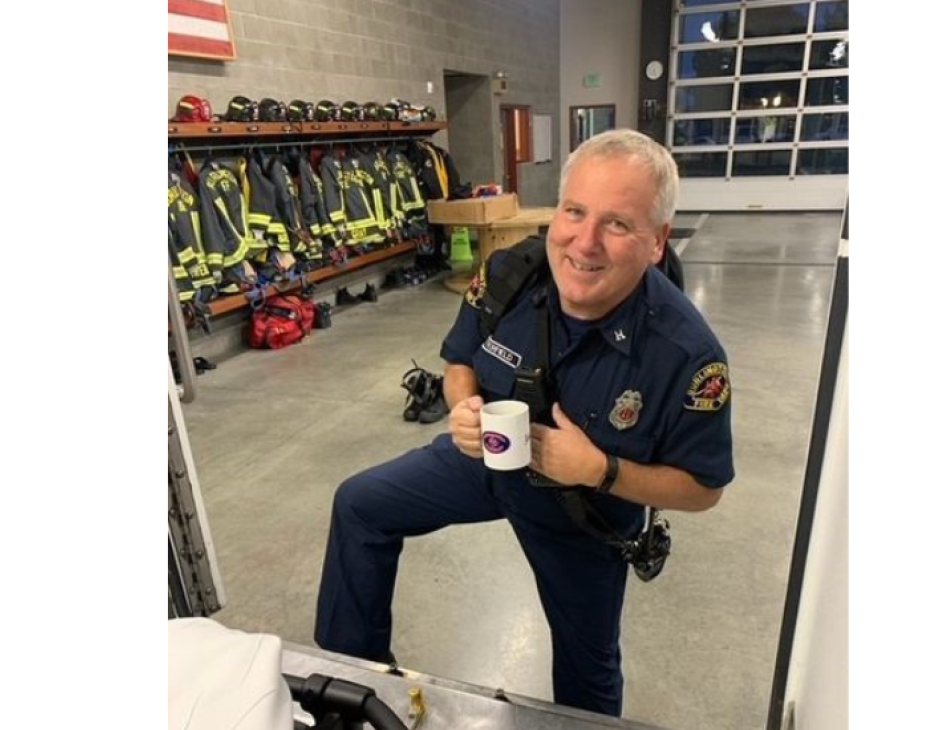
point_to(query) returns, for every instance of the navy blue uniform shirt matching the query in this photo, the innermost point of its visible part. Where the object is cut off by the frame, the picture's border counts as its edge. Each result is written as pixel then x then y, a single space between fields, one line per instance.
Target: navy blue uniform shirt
pixel 648 382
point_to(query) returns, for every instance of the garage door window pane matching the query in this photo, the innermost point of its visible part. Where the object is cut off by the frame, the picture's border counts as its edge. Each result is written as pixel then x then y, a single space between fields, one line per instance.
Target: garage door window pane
pixel 769 95
pixel 783 20
pixel 709 27
pixel 832 161
pixel 703 64
pixel 711 98
pixel 757 130
pixel 772 59
pixel 828 91
pixel 701 164
pixel 761 163
pixel 831 16
pixel 688 132
pixel 822 127
pixel 697 3
pixel 834 53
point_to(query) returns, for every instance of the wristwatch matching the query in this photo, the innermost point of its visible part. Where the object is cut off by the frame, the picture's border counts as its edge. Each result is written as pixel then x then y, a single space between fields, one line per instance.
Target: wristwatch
pixel 612 472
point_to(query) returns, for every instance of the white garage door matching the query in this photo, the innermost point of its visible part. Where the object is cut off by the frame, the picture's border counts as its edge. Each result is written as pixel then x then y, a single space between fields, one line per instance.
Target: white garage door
pixel 759 104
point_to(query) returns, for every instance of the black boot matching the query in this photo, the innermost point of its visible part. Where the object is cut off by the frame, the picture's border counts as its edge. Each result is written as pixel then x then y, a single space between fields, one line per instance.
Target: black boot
pixel 437 409
pixel 369 294
pixel 420 384
pixel 202 365
pixel 323 315
pixel 343 296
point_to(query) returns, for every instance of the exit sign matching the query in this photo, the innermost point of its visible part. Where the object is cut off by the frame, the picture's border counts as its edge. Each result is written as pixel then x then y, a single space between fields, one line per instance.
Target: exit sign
pixel 591 81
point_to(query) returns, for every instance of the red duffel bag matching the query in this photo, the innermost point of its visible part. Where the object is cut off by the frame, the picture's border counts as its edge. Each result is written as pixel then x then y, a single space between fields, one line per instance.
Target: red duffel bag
pixel 280 321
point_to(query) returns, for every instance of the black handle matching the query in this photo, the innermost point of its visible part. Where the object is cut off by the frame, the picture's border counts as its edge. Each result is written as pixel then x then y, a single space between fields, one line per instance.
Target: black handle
pixel 320 695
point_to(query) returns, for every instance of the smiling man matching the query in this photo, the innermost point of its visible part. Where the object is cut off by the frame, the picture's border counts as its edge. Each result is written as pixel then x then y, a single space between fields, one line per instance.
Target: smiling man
pixel 638 414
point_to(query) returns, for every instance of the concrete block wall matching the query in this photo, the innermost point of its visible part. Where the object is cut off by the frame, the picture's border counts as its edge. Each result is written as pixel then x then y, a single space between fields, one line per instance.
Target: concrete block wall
pixel 363 50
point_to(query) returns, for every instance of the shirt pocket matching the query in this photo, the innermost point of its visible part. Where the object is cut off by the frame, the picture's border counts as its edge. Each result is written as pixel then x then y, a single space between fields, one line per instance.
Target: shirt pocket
pixel 638 447
pixel 496 378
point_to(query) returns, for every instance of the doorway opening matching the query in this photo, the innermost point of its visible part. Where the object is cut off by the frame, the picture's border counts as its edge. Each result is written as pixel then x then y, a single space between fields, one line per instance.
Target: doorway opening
pixel 469 107
pixel 516 123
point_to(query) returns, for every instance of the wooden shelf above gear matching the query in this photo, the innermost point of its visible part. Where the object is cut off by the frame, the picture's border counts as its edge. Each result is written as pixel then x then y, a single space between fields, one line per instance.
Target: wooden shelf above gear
pixel 200 130
pixel 231 302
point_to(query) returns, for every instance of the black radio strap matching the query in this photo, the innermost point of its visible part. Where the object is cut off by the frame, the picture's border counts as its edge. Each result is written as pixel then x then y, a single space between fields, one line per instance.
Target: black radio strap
pixel 514 268
pixel 575 502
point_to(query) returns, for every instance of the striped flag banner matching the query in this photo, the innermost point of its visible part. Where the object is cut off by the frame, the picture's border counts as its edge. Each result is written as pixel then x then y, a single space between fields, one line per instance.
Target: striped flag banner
pixel 200 28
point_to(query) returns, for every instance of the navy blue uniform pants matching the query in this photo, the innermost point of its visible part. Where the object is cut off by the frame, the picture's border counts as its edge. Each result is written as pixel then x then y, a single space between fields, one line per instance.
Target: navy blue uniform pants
pixel 580 583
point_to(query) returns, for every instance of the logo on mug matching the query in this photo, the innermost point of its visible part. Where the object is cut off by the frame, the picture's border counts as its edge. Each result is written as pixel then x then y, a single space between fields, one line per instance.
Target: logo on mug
pixel 495 443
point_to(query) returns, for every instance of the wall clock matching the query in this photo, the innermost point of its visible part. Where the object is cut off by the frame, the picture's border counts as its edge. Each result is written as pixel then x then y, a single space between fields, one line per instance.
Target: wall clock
pixel 654 70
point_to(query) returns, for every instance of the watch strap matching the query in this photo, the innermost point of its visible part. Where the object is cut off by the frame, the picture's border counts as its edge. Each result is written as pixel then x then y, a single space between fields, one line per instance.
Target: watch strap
pixel 612 472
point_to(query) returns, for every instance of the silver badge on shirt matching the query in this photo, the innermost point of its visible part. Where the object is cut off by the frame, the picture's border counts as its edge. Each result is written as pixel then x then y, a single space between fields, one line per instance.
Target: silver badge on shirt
pixel 624 413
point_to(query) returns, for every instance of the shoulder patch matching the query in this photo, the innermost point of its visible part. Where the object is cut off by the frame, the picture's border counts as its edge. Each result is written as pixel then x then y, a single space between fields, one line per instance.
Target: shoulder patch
pixel 709 389
pixel 477 288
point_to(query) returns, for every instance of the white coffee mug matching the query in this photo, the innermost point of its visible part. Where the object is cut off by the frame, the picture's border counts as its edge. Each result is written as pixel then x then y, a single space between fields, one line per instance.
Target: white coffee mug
pixel 506 435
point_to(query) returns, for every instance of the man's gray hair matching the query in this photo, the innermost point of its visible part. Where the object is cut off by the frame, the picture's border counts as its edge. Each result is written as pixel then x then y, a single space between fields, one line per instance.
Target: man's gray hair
pixel 629 143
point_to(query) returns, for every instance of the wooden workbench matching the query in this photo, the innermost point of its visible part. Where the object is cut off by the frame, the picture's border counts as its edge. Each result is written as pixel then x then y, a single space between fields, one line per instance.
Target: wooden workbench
pixel 501 233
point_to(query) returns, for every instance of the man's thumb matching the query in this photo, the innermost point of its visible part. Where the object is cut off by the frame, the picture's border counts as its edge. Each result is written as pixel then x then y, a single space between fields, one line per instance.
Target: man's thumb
pixel 560 418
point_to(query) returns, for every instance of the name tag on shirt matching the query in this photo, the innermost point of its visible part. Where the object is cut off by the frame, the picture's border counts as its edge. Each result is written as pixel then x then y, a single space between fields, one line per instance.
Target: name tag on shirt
pixel 501 352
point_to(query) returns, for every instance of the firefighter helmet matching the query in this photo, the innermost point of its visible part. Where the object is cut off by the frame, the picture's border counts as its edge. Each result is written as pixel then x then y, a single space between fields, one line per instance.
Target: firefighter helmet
pixel 390 112
pixel 300 111
pixel 272 110
pixel 405 111
pixel 428 114
pixel 402 109
pixel 242 109
pixel 192 108
pixel 326 111
pixel 372 111
pixel 350 112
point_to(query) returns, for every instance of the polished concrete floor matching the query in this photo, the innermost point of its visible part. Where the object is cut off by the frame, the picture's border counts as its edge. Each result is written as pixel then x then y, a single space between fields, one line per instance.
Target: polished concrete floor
pixel 273 434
